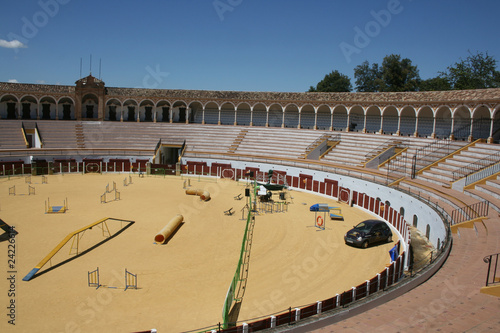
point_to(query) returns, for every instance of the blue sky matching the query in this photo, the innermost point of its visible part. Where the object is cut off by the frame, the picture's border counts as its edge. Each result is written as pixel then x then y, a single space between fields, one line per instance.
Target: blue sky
pixel 248 45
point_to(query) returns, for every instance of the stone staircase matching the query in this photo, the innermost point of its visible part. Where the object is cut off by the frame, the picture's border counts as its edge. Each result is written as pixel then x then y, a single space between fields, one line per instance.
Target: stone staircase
pixel 237 141
pixel 80 137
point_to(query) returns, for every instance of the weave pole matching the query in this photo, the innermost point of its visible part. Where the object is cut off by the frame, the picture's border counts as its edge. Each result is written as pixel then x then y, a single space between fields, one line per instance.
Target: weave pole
pixel 130 280
pixel 93 278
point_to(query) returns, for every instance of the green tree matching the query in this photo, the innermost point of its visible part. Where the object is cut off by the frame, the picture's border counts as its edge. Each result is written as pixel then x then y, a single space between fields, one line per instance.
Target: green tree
pixel 399 74
pixel 368 78
pixel 477 71
pixel 438 83
pixel 333 82
pixel 395 74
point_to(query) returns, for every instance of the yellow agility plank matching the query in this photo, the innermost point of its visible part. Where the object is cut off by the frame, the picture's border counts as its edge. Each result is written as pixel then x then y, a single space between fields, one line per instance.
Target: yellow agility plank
pixel 62 243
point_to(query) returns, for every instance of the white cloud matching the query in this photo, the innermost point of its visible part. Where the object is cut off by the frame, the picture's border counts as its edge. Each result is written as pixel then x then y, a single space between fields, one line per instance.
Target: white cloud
pixel 13 81
pixel 13 44
pixel 40 81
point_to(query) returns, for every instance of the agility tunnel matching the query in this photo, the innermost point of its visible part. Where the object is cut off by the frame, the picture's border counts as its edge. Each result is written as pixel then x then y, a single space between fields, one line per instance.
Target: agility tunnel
pixel 169 229
pixel 204 195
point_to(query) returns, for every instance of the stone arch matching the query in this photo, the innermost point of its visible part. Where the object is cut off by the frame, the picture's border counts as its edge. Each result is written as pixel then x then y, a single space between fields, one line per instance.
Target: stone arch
pixel 227 114
pixel 275 115
pixel 259 114
pixel 130 107
pixel 408 118
pixel 481 122
pixel 211 114
pixel 179 111
pixel 9 106
pixel 196 113
pixel 356 118
pixel 461 122
pixel 147 110
pixel 89 107
pixel 163 110
pixel 307 116
pixel 390 119
pixel 425 121
pixel 66 108
pixel 291 115
pixel 339 118
pixel 48 107
pixel 324 117
pixel 29 107
pixel 113 110
pixel 373 118
pixel 443 122
pixel 243 114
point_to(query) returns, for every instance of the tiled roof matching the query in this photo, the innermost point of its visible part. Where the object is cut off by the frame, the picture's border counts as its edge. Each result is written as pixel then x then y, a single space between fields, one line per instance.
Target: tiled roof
pixel 453 96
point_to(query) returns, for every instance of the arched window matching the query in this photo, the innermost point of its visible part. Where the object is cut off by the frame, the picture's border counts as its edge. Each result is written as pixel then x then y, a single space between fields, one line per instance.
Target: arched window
pixel 427 231
pixel 415 220
pixel 402 211
pixel 387 203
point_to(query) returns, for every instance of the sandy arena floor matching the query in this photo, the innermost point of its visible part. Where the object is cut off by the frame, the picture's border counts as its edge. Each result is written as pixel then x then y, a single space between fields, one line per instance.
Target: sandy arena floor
pixel 183 283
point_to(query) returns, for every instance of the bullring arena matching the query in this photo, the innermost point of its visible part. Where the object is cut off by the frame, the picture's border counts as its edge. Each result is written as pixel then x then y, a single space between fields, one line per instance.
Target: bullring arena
pixel 112 166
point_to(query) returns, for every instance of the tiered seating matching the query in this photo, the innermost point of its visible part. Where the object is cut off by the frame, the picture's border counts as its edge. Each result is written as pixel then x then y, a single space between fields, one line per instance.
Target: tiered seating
pixel 276 142
pixel 490 191
pixel 11 136
pixel 56 134
pixel 354 147
pixel 414 145
pixel 442 173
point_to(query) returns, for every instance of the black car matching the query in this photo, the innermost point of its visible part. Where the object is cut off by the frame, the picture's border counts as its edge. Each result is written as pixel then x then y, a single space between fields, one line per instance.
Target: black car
pixel 368 232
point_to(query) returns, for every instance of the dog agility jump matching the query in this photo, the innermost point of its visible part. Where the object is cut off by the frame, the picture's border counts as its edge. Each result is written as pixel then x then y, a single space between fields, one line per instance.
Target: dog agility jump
pixel 117 195
pixel 31 190
pixel 94 280
pixel 56 209
pixel 127 180
pixel 319 221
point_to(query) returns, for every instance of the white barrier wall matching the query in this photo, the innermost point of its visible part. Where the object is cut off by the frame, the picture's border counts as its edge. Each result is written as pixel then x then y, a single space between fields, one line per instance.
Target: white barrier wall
pixel 428 221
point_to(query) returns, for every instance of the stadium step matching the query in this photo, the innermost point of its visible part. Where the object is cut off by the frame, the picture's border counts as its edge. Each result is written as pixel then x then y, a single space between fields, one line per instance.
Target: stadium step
pixel 80 138
pixel 237 141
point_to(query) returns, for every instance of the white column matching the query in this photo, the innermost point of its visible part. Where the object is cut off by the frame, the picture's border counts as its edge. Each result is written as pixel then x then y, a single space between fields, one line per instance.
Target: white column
pixel 315 118
pixel 492 116
pixel 218 122
pixel 300 114
pixel 471 128
pixel 251 116
pixel 415 134
pixel 398 132
pixel 283 119
pixel 267 116
pixel 331 119
pixel 203 115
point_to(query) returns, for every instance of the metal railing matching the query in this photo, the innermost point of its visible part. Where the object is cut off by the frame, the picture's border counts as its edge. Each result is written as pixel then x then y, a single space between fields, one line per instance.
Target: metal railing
pixel 476 166
pixel 492 261
pixel 486 172
pixel 466 213
pixel 379 148
pixel 439 148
